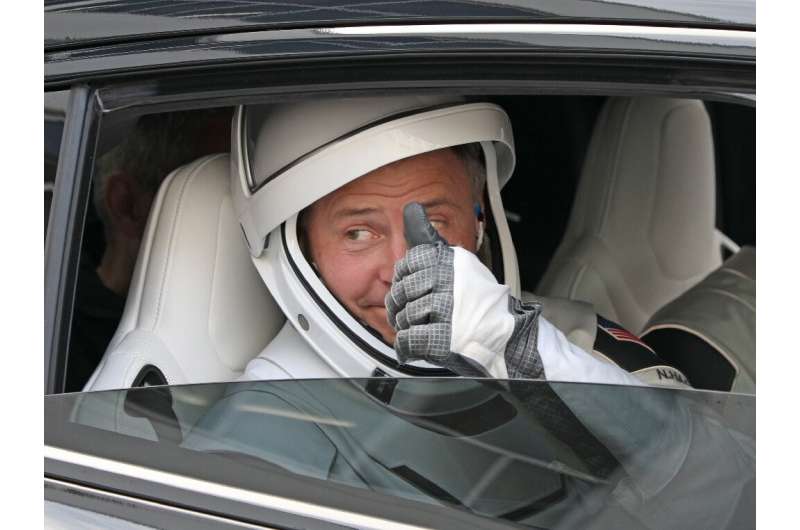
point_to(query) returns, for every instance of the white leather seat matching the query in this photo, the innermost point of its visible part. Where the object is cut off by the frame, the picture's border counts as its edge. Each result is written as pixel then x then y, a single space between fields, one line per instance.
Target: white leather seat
pixel 641 231
pixel 196 308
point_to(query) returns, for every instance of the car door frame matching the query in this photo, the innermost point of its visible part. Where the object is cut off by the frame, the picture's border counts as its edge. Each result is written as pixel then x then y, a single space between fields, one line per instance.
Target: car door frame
pixel 65 227
pixel 264 72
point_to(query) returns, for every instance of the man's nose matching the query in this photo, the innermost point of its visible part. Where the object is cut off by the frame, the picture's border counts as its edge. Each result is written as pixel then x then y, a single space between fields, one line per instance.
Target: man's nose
pixel 395 252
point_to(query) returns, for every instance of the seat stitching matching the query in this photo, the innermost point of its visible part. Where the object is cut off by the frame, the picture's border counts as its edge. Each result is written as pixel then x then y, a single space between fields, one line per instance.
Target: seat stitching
pixel 623 128
pixel 169 245
pixel 175 220
pixel 613 295
pixel 213 291
pixel 576 280
pixel 168 260
pixel 146 253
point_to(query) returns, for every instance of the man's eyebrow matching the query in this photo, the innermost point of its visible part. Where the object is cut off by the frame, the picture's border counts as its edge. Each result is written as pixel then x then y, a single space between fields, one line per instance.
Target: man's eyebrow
pixel 352 212
pixel 433 203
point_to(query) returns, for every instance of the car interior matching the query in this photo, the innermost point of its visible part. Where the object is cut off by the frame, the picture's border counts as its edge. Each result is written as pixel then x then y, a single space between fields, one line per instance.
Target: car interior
pixel 642 206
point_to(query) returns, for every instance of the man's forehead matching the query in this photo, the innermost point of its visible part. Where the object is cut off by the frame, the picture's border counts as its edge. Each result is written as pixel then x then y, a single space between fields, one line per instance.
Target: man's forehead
pixel 344 209
pixel 438 178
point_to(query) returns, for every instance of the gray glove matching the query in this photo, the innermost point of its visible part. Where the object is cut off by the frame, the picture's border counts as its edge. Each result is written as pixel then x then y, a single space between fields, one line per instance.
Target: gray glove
pixel 449 310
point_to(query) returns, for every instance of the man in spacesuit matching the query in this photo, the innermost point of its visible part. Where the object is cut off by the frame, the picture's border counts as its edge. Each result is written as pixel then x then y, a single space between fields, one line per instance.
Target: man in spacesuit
pixel 377 225
pixel 374 222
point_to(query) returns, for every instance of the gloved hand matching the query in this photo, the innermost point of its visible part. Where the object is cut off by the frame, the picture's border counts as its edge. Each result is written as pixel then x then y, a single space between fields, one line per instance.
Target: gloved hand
pixel 449 310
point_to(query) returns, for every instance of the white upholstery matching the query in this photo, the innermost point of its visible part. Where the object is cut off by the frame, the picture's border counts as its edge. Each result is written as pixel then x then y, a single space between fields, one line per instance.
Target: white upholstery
pixel 641 230
pixel 196 308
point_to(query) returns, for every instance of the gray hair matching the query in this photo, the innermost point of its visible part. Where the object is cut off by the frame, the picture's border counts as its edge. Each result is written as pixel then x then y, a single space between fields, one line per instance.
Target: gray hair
pixel 471 155
pixel 157 144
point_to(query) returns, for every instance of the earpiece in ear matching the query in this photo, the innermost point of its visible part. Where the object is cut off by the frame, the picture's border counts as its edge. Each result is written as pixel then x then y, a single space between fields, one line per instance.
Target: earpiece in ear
pixel 479 215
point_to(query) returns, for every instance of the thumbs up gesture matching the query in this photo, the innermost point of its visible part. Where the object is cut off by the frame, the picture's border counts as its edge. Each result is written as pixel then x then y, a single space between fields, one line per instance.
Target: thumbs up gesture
pixel 449 310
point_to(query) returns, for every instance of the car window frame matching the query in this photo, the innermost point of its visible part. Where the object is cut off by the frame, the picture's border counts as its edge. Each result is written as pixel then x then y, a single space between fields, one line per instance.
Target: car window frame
pixel 195 88
pixel 65 228
pixel 55 105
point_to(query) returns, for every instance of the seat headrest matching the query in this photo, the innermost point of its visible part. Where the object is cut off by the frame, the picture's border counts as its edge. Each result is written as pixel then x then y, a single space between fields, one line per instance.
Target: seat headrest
pixel 649 183
pixel 642 228
pixel 196 307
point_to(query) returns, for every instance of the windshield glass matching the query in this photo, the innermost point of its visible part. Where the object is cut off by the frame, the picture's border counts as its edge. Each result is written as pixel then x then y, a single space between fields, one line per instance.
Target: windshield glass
pixel 537 453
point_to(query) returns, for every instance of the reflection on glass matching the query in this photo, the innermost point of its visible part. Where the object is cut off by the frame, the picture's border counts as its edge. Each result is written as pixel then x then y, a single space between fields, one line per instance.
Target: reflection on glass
pixel 537 453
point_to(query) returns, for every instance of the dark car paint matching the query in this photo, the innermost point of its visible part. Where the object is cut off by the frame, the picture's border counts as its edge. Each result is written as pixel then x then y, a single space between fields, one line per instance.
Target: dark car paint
pixel 126 55
pixel 268 46
pixel 70 24
pixel 65 230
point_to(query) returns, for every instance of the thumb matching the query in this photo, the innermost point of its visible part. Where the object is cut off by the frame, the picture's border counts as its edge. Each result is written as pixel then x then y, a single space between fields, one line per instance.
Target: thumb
pixel 417 228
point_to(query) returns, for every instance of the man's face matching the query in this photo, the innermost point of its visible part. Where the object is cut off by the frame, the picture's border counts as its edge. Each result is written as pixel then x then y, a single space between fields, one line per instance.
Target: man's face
pixel 355 234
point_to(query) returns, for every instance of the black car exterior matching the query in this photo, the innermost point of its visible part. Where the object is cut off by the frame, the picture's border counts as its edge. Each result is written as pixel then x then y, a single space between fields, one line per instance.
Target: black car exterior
pixel 107 59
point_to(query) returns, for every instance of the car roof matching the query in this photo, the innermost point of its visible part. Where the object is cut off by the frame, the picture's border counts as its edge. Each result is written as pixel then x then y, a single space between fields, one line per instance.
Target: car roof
pixel 70 24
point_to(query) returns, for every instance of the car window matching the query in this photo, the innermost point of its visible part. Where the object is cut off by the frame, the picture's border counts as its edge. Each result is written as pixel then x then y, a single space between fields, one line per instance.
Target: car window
pixel 529 452
pixel 552 135
pixel 735 146
pixel 55 105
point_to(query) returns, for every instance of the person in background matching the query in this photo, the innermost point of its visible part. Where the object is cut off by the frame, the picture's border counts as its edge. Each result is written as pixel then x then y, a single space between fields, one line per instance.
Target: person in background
pixel 125 182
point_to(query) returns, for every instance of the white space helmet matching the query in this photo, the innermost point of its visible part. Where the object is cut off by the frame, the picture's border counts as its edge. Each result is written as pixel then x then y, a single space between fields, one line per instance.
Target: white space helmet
pixel 284 157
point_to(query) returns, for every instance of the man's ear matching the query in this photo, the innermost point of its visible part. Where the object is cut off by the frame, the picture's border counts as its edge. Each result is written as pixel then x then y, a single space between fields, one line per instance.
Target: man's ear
pixel 480 223
pixel 124 206
pixel 479 238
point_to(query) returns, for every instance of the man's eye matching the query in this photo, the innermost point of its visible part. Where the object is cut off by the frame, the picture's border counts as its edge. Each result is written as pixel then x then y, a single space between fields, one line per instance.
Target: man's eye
pixel 437 224
pixel 358 234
